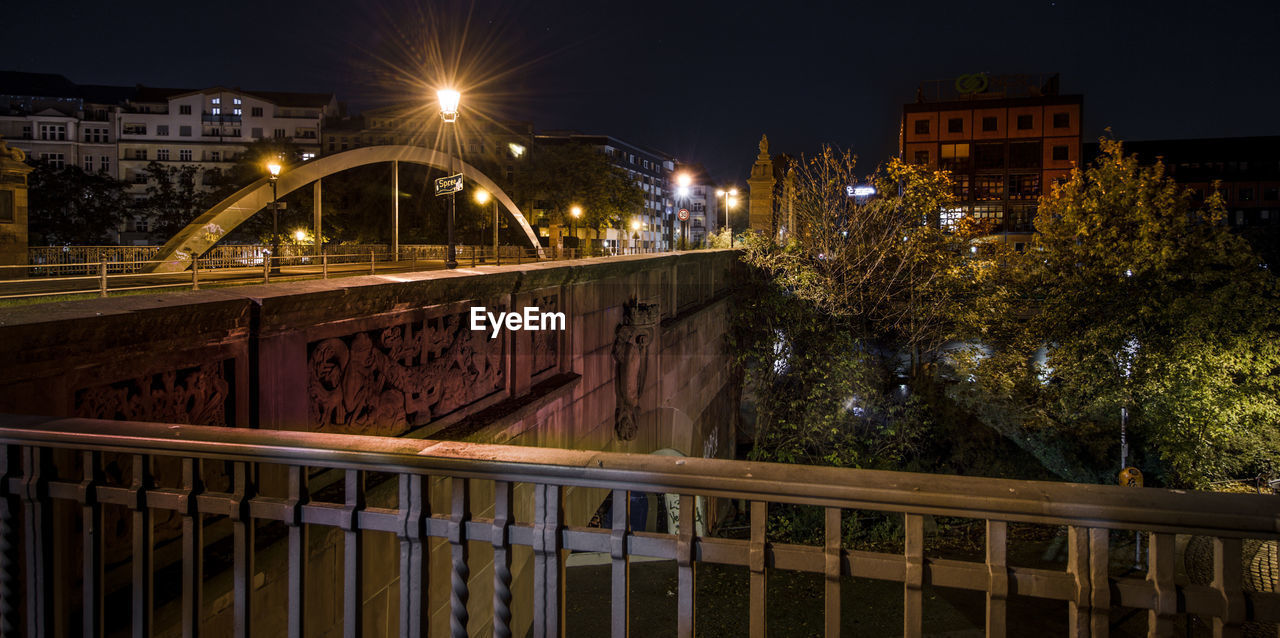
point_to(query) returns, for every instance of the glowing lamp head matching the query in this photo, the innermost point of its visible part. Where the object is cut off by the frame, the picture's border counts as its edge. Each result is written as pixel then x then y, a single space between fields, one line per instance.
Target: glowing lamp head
pixel 683 191
pixel 273 167
pixel 576 211
pixel 300 235
pixel 683 180
pixel 733 201
pixel 720 192
pixel 449 100
pixel 482 196
pixel 635 225
pixel 733 192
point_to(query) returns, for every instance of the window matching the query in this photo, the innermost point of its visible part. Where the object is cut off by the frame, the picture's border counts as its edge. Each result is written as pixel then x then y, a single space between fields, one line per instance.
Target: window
pixel 55 160
pixel 140 224
pixel 960 186
pixel 1245 194
pixel 26 131
pixel 55 131
pixel 216 100
pixel 280 133
pixel 140 153
pixel 1024 186
pixel 1022 218
pixel 1024 155
pixel 256 111
pixel 184 109
pixel 88 163
pixel 135 129
pixel 989 212
pixel 922 157
pixel 1239 218
pixel 257 132
pixel 105 162
pixel 988 155
pixel 235 111
pixel 162 130
pixel 954 157
pixel 184 131
pixel 955 125
pixel 215 156
pixel 162 154
pixel 1271 193
pixel 1061 120
pixel 216 110
pixel 1061 153
pixel 989 188
pixel 1024 122
pixel 184 155
pixel 922 127
pixel 989 124
pixel 308 156
pixel 235 101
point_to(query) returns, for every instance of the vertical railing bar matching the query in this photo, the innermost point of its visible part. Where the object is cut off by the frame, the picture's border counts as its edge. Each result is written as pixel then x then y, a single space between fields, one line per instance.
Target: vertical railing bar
pixel 352 563
pixel 997 578
pixel 143 546
pixel 298 496
pixel 414 556
pixel 832 563
pixel 913 584
pixel 756 565
pixel 91 511
pixel 1099 583
pixel 1160 573
pixel 1228 581
pixel 685 567
pixel 10 587
pixel 460 506
pixel 540 562
pixel 37 525
pixel 503 498
pixel 1079 567
pixel 242 539
pixel 548 599
pixel 620 594
pixel 192 548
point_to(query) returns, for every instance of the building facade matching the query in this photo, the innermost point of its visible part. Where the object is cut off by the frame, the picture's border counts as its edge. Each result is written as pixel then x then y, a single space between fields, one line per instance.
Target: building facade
pixel 1004 139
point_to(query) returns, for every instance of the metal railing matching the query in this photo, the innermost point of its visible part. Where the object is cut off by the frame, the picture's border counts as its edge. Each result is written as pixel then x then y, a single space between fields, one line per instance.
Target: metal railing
pixel 31 487
pixel 127 268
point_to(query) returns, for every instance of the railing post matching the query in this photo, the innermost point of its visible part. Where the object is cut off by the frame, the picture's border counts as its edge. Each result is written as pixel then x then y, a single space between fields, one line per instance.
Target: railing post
pixel 195 273
pixel 686 568
pixel 1227 580
pixel 266 267
pixel 352 563
pixel 324 263
pixel 91 511
pixel 756 565
pixel 458 592
pixel 10 584
pixel 242 540
pixel 1160 572
pixel 548 598
pixel 1099 582
pixel 913 584
pixel 102 277
pixel 473 256
pixel 832 564
pixel 414 557
pixel 997 578
pixel 414 266
pixel 143 546
pixel 620 595
pixel 503 499
pixel 192 549
pixel 1080 567
pixel 373 263
pixel 297 551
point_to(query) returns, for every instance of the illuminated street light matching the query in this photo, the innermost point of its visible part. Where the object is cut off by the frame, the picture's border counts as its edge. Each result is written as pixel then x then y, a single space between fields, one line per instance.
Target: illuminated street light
pixel 482 196
pixel 300 235
pixel 575 213
pixel 635 234
pixel 273 174
pixel 682 182
pixel 730 200
pixel 449 100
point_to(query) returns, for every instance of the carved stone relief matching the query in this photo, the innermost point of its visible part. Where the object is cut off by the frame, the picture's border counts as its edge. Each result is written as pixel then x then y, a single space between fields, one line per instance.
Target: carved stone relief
pixel 384 381
pixel 198 396
pixel 630 355
pixel 546 343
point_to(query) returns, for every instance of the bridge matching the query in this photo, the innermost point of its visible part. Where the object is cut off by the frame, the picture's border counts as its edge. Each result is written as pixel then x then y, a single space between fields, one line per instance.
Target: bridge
pixel 347 457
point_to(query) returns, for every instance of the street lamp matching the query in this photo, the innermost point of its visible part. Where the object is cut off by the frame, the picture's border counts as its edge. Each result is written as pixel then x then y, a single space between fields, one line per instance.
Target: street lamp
pixel 683 180
pixel 449 99
pixel 482 196
pixel 635 234
pixel 273 168
pixel 575 213
pixel 729 202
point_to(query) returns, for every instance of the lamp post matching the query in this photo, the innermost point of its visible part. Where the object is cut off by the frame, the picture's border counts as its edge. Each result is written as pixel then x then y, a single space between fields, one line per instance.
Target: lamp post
pixel 482 196
pixel 729 201
pixel 273 168
pixel 683 180
pixel 449 99
pixel 575 214
pixel 635 235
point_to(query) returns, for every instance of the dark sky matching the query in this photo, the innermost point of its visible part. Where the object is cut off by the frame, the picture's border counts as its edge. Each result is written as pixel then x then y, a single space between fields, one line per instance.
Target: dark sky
pixel 700 80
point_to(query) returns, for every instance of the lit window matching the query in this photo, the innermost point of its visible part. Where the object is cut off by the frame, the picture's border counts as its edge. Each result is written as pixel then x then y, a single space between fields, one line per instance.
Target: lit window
pixel 517 150
pixel 235 100
pixel 216 100
pixel 217 110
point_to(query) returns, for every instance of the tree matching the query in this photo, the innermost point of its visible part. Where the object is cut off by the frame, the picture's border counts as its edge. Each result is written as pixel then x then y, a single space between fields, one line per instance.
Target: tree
pixel 70 206
pixel 173 199
pixel 1132 297
pixel 561 176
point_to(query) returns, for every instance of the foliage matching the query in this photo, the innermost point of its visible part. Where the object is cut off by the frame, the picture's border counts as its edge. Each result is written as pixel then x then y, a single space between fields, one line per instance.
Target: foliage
pixel 561 176
pixel 718 239
pixel 173 199
pixel 1138 298
pixel 70 206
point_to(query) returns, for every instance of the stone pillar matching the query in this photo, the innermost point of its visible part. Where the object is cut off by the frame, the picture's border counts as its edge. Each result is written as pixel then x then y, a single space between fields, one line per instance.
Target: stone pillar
pixel 760 200
pixel 789 205
pixel 13 207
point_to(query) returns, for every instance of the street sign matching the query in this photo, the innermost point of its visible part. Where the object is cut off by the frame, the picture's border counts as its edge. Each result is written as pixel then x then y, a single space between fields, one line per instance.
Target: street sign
pixel 449 185
pixel 683 214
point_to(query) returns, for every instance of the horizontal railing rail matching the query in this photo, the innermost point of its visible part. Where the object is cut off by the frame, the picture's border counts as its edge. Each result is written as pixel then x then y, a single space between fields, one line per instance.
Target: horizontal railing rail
pixel 1090 513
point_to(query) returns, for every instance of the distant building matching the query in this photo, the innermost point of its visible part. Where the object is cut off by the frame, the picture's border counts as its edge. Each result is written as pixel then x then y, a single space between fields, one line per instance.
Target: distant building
pixel 55 120
pixel 700 200
pixel 1003 138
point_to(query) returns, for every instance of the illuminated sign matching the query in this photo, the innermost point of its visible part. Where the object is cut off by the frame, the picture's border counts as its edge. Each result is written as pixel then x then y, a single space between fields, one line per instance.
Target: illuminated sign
pixel 972 83
pixel 449 185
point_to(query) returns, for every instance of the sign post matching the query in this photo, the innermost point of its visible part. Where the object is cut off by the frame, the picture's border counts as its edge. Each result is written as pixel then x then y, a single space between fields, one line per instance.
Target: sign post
pixel 450 186
pixel 683 216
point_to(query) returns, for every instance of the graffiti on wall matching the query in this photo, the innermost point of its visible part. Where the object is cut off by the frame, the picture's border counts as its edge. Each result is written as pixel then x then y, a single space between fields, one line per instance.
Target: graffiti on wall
pixel 384 381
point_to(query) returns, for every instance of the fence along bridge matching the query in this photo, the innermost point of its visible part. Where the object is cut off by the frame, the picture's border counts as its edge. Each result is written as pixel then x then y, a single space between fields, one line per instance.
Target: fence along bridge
pixel 500 501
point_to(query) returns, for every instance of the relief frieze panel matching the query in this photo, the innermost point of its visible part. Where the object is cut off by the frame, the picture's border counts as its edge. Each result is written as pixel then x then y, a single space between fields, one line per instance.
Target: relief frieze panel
pixel 546 343
pixel 199 395
pixel 388 380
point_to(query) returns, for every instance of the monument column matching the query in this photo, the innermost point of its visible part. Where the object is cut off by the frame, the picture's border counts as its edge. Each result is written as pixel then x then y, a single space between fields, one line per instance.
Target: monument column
pixel 760 185
pixel 13 206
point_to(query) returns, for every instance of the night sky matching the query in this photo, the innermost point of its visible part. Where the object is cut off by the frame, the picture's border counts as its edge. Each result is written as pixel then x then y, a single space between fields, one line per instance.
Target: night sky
pixel 699 80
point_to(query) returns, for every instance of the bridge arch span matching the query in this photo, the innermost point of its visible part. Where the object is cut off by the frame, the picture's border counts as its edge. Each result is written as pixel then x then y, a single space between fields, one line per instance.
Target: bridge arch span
pixel 207 229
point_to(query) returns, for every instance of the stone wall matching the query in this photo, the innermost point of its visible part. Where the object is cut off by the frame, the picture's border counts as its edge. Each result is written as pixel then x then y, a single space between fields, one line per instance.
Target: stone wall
pixel 394 355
